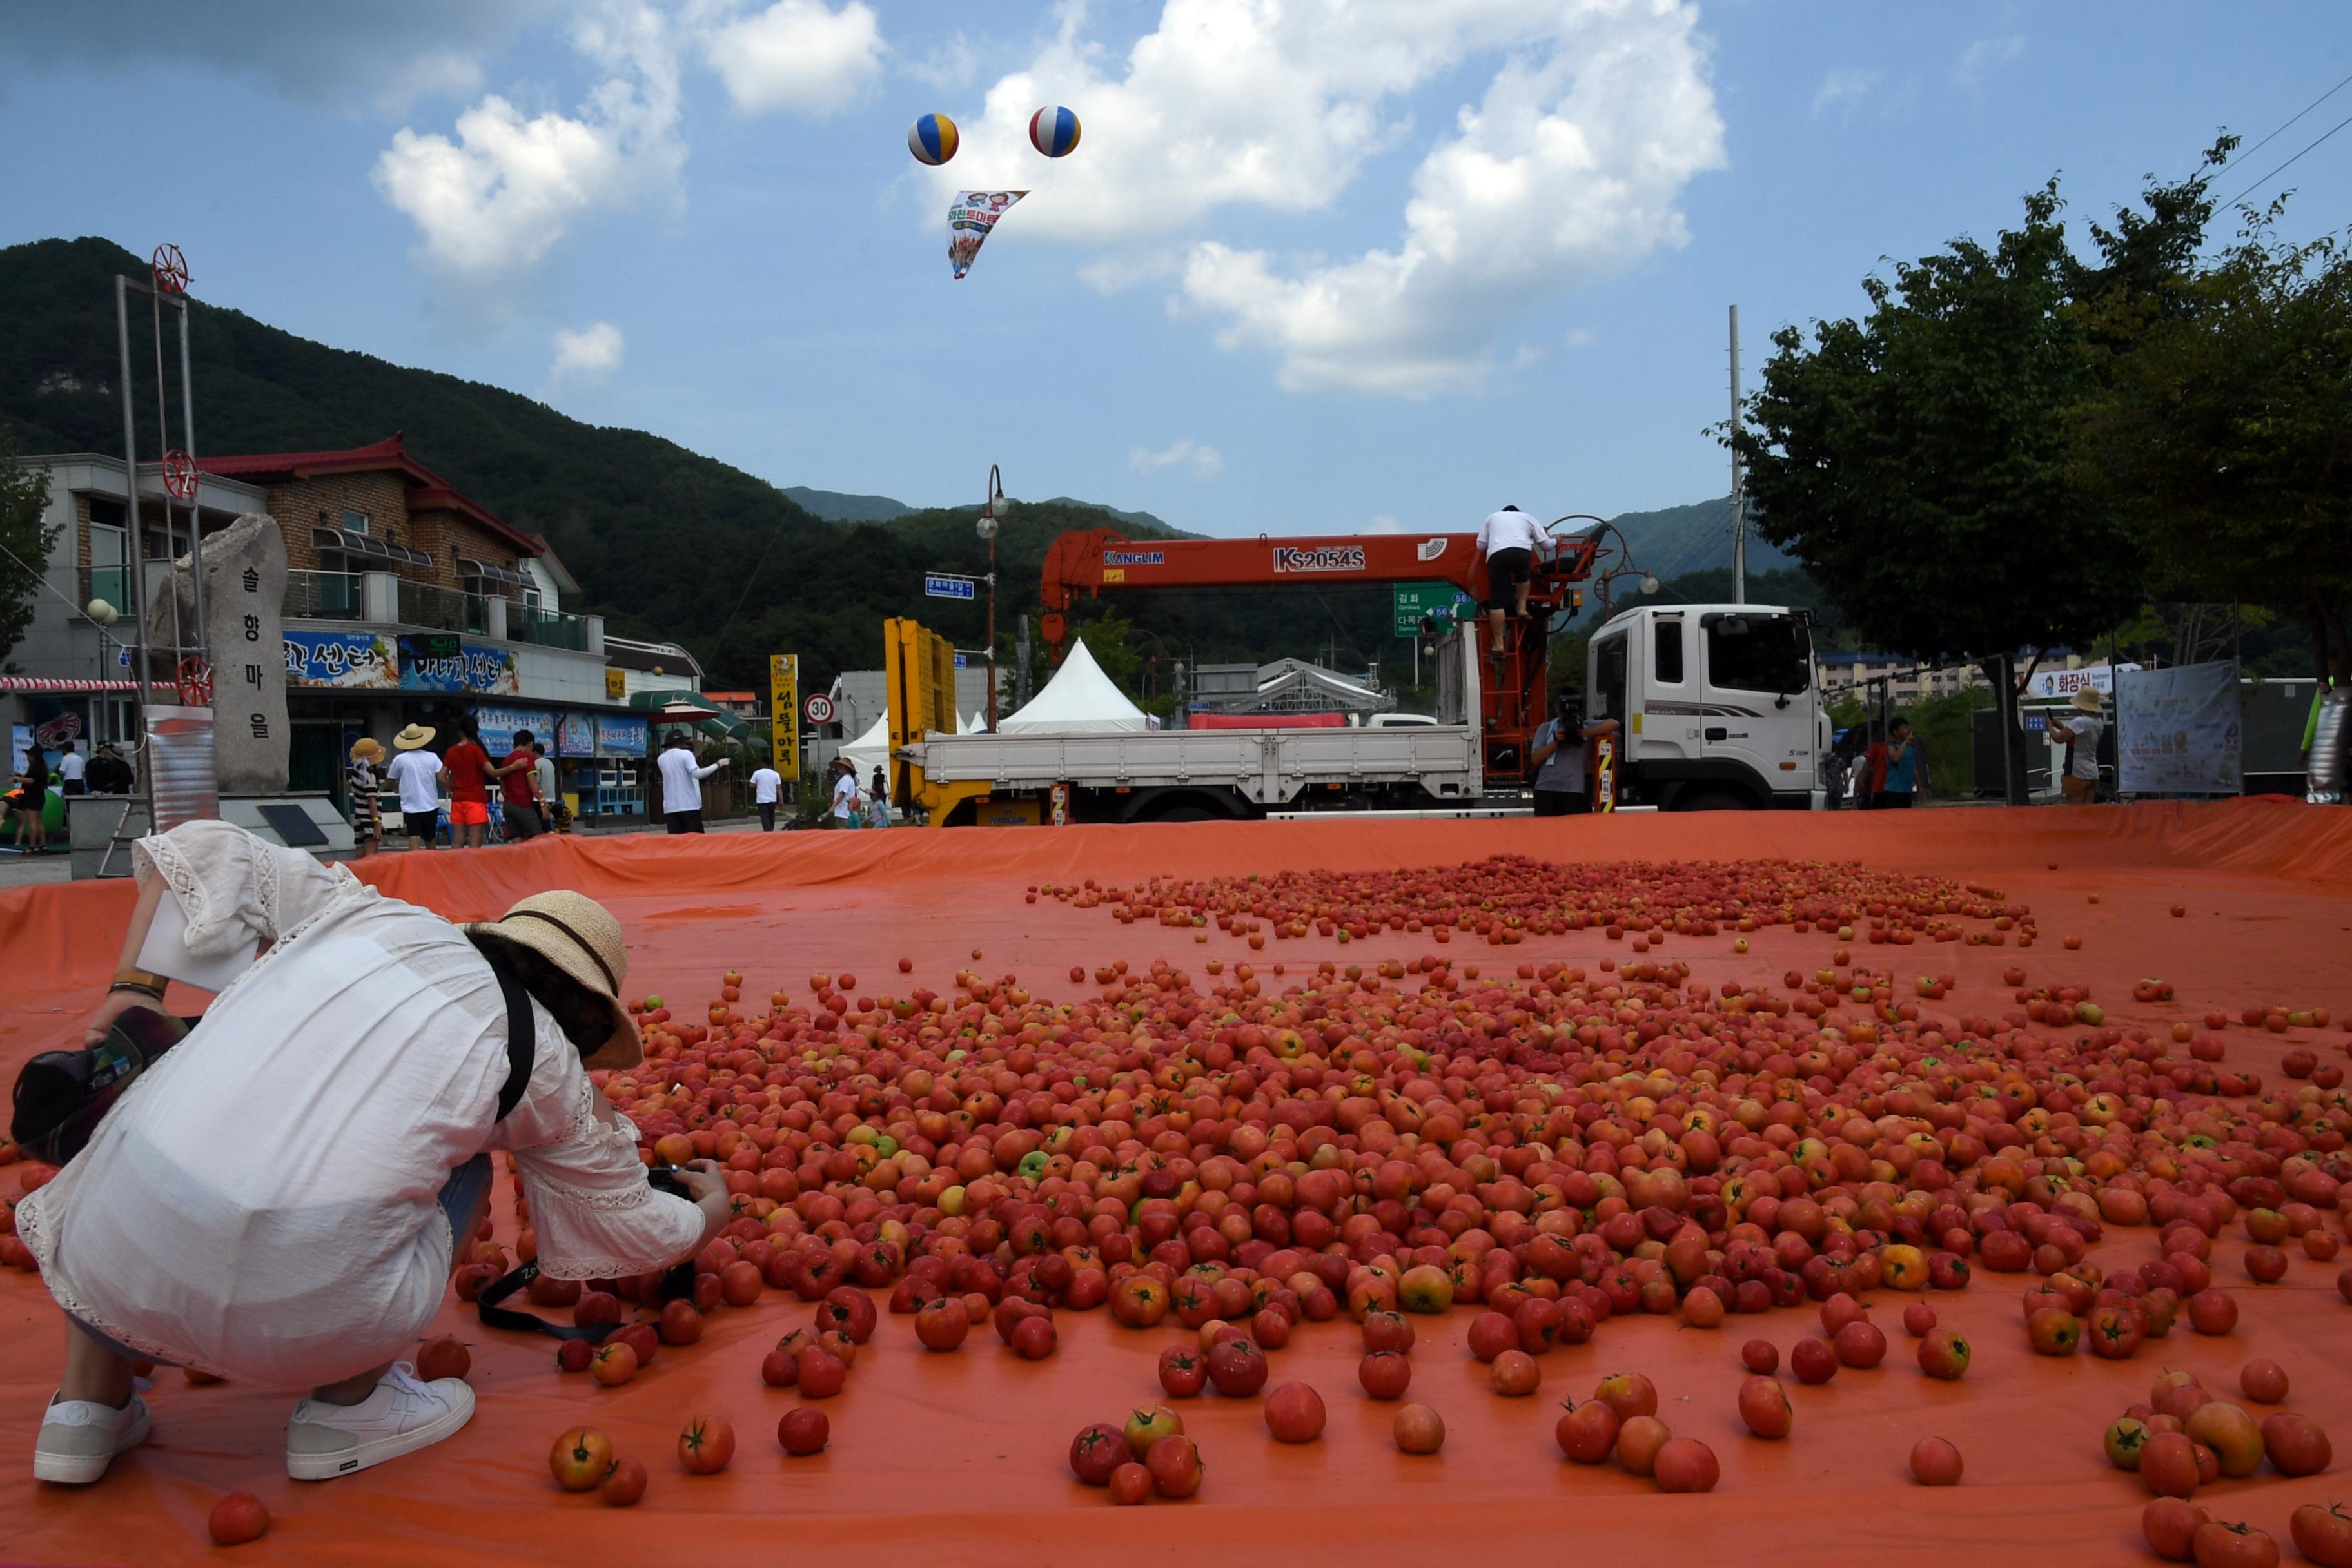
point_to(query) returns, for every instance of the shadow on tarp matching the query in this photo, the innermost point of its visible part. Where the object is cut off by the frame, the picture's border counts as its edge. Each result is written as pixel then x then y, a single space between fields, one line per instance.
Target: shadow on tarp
pixel 961 1458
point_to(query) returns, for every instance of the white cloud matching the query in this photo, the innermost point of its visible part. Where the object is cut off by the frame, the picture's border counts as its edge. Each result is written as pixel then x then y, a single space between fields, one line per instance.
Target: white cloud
pixel 1384 524
pixel 952 64
pixel 1980 58
pixel 1842 89
pixel 1595 115
pixel 1204 461
pixel 496 198
pixel 589 353
pixel 798 54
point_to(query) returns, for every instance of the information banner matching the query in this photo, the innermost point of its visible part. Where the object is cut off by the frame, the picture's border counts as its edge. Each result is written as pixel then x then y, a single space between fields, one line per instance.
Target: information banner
pixel 2098 677
pixel 575 735
pixel 500 723
pixel 2178 731
pixel 620 737
pixel 785 713
pixel 346 660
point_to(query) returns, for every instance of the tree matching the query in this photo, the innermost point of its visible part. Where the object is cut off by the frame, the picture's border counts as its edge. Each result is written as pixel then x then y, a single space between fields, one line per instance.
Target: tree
pixel 24 543
pixel 1920 460
pixel 2228 432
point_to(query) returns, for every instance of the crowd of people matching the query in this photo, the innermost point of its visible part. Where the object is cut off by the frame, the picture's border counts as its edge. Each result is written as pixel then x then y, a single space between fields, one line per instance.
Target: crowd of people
pixel 40 780
pixel 527 802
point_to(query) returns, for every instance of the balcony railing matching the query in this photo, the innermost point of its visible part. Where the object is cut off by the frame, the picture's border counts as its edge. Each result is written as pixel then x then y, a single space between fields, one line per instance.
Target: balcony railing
pixel 444 609
pixel 323 595
pixel 548 628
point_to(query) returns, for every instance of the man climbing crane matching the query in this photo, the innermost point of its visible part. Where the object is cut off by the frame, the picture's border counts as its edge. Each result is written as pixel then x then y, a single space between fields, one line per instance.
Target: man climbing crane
pixel 1507 541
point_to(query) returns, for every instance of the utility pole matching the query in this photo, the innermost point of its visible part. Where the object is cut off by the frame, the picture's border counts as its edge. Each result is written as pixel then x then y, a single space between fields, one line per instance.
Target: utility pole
pixel 1738 481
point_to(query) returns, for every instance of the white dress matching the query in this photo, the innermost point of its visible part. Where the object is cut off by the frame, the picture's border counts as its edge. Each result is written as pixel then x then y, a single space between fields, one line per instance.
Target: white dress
pixel 262 1202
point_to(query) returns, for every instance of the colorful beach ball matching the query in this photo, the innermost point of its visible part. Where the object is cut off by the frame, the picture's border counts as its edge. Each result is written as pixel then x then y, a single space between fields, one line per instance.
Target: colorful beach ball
pixel 1053 131
pixel 932 139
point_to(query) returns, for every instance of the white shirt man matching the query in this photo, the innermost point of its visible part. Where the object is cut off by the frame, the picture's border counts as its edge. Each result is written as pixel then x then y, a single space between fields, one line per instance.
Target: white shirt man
pixel 70 772
pixel 682 786
pixel 767 789
pixel 416 773
pixel 844 799
pixel 542 773
pixel 1508 540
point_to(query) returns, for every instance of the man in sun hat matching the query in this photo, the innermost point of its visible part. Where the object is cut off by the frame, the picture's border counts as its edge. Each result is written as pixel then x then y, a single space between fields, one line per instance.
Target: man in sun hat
pixel 2080 782
pixel 416 773
pixel 280 1199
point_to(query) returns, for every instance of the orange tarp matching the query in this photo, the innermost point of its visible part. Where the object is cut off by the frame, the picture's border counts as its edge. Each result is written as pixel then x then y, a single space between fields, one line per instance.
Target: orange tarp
pixel 959 1459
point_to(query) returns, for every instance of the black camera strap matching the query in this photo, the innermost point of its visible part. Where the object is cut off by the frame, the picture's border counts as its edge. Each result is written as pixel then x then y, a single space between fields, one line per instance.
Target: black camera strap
pixel 521 1039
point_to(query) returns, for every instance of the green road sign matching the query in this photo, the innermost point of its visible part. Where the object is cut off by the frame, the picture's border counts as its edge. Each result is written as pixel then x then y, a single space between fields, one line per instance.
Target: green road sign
pixel 1438 602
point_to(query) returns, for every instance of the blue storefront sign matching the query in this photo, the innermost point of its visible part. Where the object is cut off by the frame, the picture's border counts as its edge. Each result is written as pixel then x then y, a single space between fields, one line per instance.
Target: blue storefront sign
pixel 438 661
pixel 575 735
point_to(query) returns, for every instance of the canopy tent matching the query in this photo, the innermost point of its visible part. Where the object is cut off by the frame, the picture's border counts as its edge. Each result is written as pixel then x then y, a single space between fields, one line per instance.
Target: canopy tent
pixel 1080 699
pixel 871 750
pixel 972 726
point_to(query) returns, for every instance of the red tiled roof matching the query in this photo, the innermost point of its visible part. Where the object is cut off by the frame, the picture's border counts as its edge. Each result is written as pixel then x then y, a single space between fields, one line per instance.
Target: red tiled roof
pixel 428 491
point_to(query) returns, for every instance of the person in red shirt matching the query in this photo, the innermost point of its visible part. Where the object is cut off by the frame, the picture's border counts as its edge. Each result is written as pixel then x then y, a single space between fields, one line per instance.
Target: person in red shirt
pixel 469 771
pixel 518 788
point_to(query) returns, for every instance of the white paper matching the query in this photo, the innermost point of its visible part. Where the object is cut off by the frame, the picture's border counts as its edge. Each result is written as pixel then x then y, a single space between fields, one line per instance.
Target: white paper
pixel 165 951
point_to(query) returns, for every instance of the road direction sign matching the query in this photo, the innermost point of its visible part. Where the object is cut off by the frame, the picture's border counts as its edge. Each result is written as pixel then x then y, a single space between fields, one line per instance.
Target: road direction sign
pixel 944 587
pixel 819 707
pixel 1439 602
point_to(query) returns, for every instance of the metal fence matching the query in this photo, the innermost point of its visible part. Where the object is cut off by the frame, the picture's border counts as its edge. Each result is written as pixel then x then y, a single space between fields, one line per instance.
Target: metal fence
pixel 323 595
pixel 547 628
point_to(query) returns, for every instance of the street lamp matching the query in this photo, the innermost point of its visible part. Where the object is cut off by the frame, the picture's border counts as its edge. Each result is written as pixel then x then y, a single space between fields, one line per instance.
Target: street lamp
pixel 991 511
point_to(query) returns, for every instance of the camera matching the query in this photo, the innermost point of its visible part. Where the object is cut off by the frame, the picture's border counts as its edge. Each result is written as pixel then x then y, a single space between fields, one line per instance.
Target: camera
pixel 664 1179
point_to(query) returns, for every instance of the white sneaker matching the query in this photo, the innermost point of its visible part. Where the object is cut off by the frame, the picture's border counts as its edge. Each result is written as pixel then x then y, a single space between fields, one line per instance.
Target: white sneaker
pixel 79 1439
pixel 323 1440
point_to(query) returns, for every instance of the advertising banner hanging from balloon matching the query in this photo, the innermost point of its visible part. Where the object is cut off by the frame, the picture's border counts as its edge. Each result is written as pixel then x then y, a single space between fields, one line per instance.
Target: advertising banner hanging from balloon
pixel 970 217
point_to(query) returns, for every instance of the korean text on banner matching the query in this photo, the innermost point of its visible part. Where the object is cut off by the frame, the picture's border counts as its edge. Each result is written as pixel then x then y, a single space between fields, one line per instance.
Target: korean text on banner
pixel 970 217
pixel 785 713
pixel 2178 731
pixel 350 661
pixel 575 735
pixel 2098 677
pixel 499 724
pixel 619 737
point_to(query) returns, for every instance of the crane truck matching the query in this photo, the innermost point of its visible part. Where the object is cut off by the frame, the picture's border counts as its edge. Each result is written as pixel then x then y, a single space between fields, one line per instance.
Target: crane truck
pixel 1490 697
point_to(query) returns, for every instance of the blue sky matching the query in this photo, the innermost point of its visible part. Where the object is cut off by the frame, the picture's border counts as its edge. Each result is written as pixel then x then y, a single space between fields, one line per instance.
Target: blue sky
pixel 1316 266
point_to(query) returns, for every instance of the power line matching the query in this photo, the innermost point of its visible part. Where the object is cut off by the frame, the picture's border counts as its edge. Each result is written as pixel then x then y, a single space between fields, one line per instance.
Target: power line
pixel 2274 174
pixel 2306 109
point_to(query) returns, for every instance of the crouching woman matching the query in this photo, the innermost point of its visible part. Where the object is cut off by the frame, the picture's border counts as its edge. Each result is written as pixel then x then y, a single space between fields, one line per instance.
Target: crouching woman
pixel 280 1199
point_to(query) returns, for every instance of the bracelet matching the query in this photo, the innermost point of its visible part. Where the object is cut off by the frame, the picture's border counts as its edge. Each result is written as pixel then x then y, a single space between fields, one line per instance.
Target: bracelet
pixel 147 979
pixel 153 992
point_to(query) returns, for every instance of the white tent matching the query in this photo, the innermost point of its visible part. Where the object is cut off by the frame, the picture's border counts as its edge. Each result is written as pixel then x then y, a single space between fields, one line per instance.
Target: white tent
pixel 1080 699
pixel 871 750
pixel 972 726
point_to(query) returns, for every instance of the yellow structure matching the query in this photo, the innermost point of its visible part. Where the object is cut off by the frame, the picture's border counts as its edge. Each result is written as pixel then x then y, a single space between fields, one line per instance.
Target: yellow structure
pixel 785 713
pixel 919 671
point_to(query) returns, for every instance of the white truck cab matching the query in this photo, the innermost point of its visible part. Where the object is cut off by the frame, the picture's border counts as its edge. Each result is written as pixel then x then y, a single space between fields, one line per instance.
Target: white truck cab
pixel 1717 705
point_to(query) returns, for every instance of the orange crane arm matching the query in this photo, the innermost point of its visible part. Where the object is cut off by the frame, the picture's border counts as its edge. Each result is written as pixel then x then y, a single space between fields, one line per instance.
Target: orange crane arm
pixel 1089 561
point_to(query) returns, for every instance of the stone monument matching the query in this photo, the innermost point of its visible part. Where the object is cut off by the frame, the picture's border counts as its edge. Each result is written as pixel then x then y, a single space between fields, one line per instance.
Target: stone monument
pixel 245 598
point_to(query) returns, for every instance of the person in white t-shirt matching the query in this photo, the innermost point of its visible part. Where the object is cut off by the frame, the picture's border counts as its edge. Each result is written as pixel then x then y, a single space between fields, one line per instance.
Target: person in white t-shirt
pixel 682 779
pixel 767 789
pixel 71 773
pixel 1507 540
pixel 2081 785
pixel 416 773
pixel 845 795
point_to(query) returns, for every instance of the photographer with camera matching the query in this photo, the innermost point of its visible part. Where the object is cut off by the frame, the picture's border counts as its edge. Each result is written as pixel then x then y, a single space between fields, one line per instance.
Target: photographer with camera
pixel 281 1198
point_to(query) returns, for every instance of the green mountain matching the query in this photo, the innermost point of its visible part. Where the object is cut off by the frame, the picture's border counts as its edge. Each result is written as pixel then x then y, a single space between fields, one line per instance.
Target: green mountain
pixel 1678 540
pixel 834 506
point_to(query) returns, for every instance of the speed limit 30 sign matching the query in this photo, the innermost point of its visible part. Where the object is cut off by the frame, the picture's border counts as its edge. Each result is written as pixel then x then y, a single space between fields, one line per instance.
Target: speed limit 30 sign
pixel 819 709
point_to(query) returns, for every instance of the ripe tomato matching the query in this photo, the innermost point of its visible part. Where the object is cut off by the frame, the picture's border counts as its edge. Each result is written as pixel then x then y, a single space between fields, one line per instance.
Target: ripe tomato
pixel 580 1458
pixel 706 1445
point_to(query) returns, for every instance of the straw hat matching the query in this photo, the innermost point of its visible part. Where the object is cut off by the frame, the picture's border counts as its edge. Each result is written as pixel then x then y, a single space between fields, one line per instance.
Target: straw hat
pixel 412 738
pixel 2087 701
pixel 366 749
pixel 581 938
